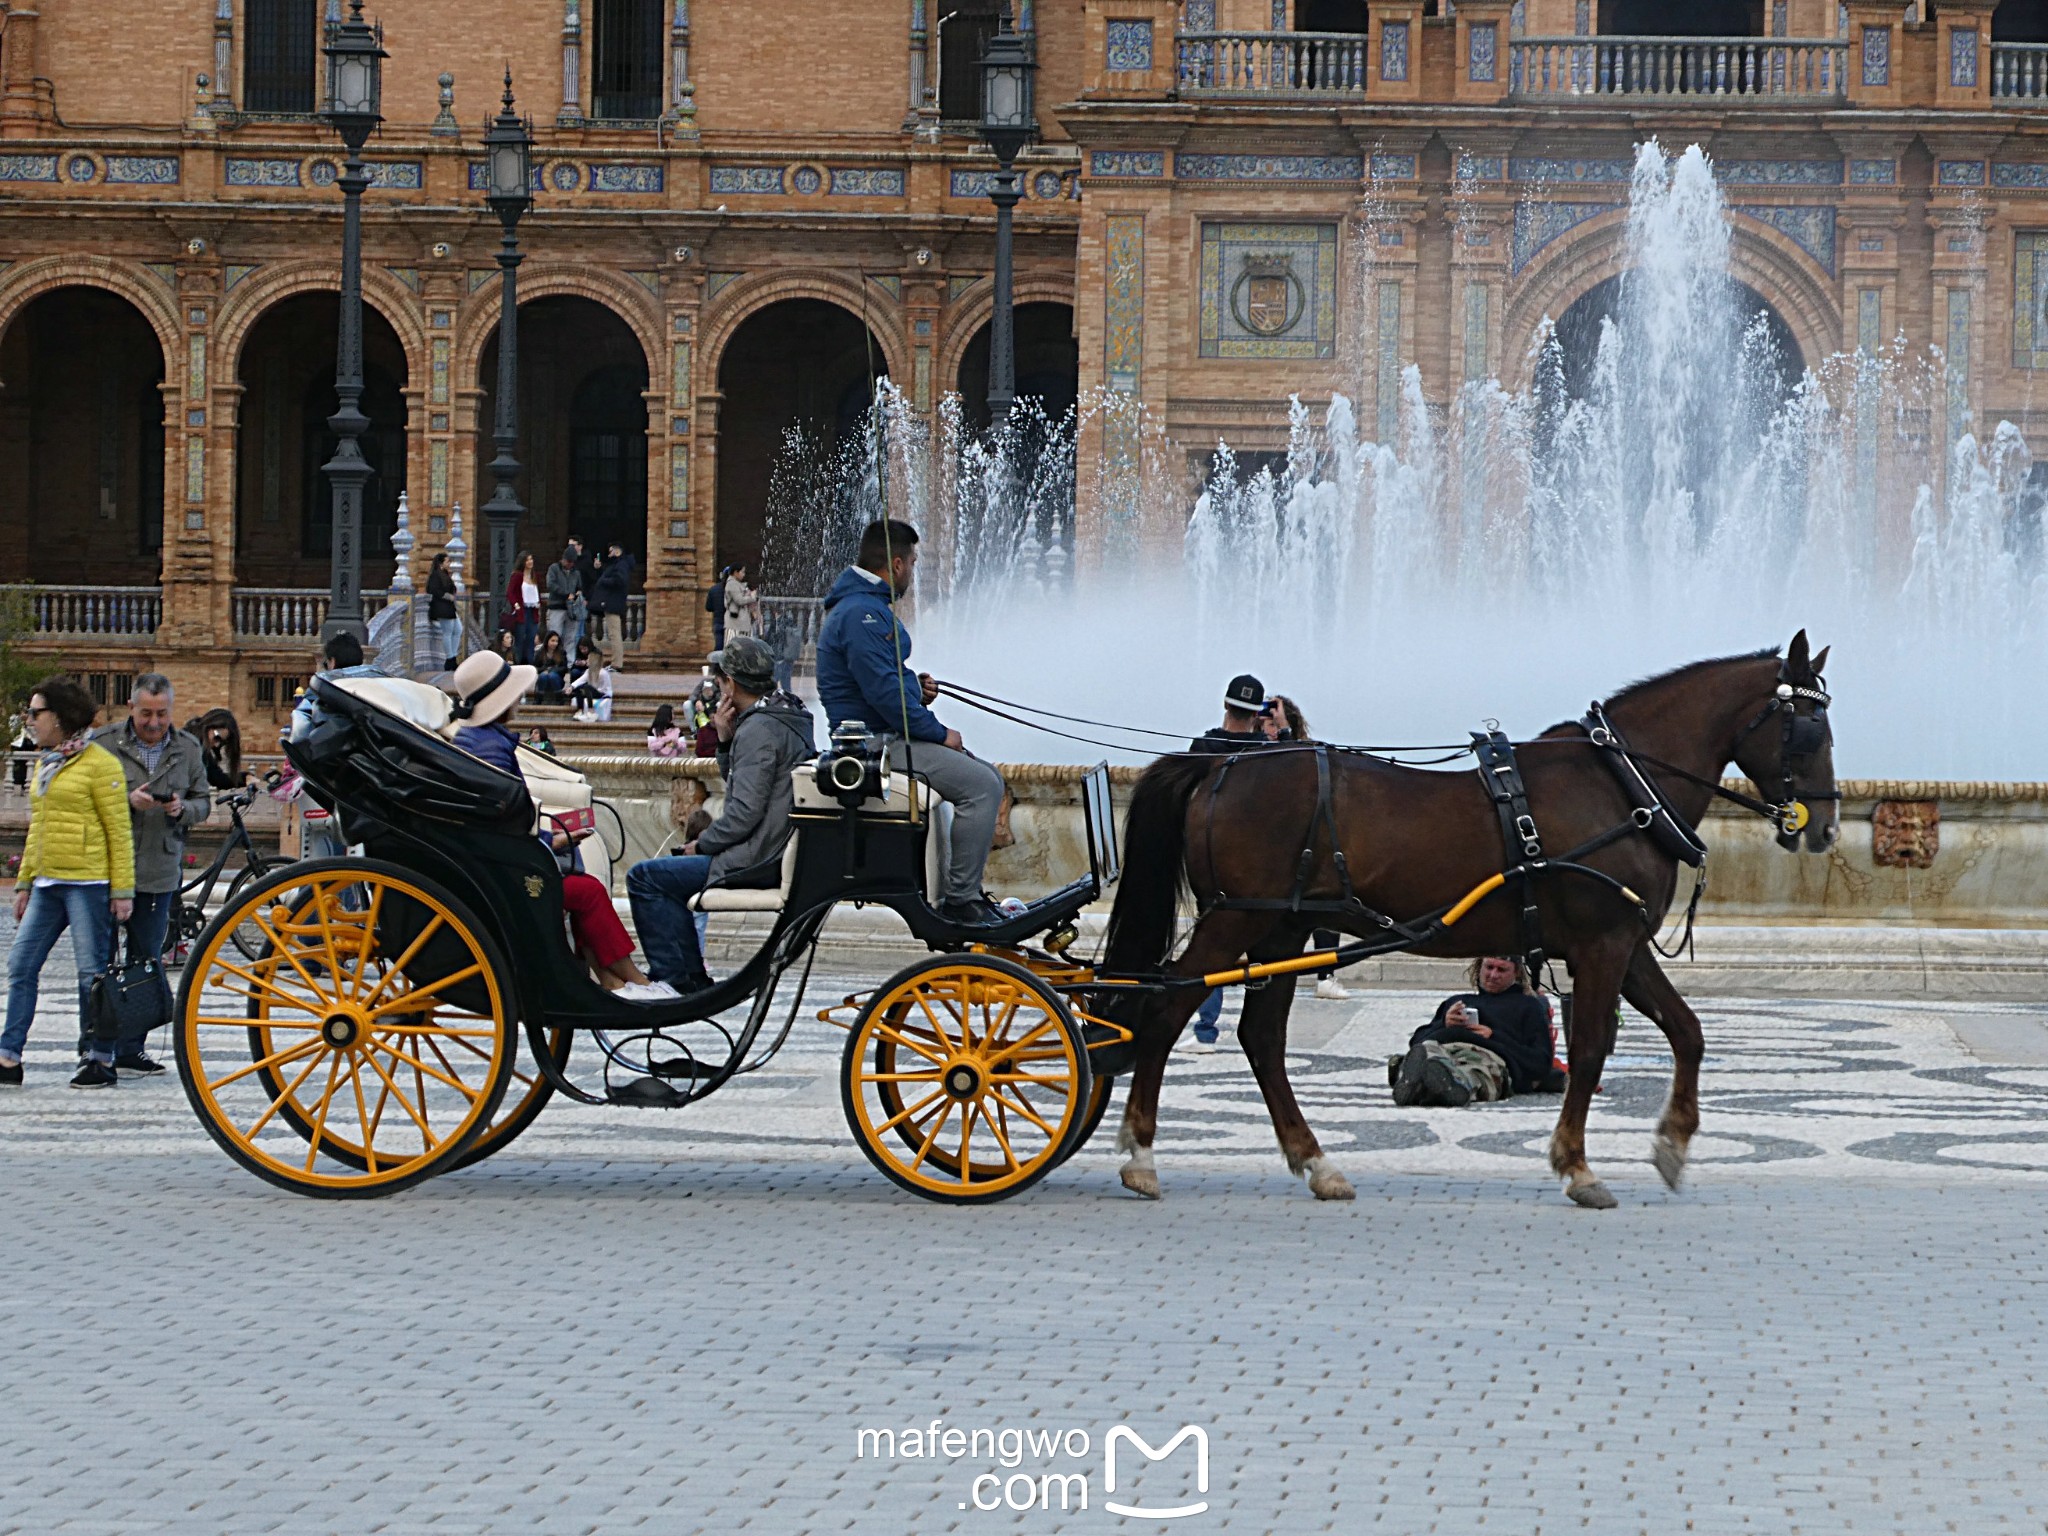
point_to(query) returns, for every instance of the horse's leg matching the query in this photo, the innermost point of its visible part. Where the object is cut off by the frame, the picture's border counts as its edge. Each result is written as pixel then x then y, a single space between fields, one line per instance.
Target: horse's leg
pixel 1262 1031
pixel 1651 993
pixel 1596 987
pixel 1217 942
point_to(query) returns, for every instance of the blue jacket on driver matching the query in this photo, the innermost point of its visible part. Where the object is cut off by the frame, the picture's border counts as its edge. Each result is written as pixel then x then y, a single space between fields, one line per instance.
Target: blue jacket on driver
pixel 861 651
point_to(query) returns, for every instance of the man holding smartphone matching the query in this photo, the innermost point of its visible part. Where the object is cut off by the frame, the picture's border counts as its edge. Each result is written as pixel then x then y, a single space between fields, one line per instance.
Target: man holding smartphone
pixel 167 797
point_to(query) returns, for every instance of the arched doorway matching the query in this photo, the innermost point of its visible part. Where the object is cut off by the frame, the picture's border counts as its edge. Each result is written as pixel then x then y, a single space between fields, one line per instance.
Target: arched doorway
pixel 1681 18
pixel 2020 21
pixel 1048 364
pixel 1579 328
pixel 284 504
pixel 81 442
pixel 582 429
pixel 797 378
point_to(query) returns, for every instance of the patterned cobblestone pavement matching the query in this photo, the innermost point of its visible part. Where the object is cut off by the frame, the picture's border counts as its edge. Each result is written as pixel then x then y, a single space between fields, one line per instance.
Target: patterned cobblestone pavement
pixel 683 1322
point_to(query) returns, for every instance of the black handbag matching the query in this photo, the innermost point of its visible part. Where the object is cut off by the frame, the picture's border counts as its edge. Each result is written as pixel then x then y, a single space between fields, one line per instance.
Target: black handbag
pixel 131 997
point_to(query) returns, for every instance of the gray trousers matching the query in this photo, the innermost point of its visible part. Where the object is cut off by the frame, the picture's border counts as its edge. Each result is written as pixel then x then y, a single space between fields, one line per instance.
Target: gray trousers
pixel 974 790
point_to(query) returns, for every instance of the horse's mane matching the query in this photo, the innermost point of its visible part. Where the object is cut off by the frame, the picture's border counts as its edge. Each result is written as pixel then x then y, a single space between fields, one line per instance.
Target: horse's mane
pixel 1673 675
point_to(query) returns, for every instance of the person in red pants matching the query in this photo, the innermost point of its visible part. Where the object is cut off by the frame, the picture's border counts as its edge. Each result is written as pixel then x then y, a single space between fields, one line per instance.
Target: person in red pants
pixel 487 692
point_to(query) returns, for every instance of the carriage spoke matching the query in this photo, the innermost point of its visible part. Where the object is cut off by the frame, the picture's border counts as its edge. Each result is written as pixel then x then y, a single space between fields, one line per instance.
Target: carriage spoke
pixel 398 966
pixel 320 1113
pixel 355 1078
pixel 1014 1046
pixel 939 1029
pixel 988 1037
pixel 410 998
pixel 369 934
pixel 286 952
pixel 278 1103
pixel 1059 1083
pixel 966 1134
pixel 902 1115
pixel 271 990
pixel 275 1058
pixel 1028 1113
pixel 1000 1132
pixel 931 1136
pixel 427 1140
pixel 377 1042
pixel 909 1043
pixel 900 1077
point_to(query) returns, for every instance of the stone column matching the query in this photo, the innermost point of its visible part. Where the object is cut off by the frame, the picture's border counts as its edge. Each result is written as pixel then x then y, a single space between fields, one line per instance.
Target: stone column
pixel 571 115
pixel 25 99
pixel 682 90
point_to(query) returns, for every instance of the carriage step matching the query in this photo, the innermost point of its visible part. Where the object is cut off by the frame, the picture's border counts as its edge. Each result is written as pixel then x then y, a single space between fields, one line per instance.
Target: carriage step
pixel 646 1093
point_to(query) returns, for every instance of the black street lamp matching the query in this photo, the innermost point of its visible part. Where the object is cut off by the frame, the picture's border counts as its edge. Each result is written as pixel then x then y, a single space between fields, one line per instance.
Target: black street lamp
pixel 355 57
pixel 508 158
pixel 1008 125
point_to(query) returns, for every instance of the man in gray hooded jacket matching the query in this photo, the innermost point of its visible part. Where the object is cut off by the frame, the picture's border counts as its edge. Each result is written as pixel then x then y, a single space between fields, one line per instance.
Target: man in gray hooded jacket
pixel 763 734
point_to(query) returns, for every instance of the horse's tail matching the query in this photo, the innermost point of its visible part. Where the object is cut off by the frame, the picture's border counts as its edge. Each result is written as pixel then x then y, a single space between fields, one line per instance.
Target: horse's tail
pixel 1155 864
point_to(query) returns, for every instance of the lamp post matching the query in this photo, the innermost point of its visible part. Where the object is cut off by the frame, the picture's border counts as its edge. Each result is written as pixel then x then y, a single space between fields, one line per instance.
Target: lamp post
pixel 355 57
pixel 508 155
pixel 1007 124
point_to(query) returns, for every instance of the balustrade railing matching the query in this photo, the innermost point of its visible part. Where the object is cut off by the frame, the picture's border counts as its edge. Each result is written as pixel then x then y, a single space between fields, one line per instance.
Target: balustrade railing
pixel 296 613
pixel 1272 64
pixel 97 613
pixel 2019 71
pixel 1553 68
pixel 791 624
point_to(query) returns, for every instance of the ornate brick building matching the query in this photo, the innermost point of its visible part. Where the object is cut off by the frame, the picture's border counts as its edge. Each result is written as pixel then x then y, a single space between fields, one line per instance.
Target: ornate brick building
pixel 741 214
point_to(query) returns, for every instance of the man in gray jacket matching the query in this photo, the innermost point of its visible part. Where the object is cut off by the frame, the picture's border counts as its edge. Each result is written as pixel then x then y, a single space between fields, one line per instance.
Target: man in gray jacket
pixel 167 798
pixel 566 603
pixel 763 734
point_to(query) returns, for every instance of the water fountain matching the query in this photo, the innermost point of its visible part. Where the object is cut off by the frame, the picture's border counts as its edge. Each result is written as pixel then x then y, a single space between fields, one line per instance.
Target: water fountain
pixel 1520 552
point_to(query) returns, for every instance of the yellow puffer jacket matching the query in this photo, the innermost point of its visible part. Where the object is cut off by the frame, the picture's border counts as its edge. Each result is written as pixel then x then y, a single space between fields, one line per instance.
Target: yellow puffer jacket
pixel 79 827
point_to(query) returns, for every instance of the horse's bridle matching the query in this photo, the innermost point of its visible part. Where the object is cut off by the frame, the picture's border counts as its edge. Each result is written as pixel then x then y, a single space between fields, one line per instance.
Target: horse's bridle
pixel 1800 740
pixel 1802 737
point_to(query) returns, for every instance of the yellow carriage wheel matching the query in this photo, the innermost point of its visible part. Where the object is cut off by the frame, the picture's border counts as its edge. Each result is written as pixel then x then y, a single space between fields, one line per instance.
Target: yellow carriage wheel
pixel 368 1044
pixel 1099 1092
pixel 965 1078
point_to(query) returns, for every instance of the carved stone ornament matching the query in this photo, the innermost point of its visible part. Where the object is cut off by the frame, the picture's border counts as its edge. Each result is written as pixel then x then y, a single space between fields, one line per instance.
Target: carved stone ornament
pixel 1905 834
pixel 1268 298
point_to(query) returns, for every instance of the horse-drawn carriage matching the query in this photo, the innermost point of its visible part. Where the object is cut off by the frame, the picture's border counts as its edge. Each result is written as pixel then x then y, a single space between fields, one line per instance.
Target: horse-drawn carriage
pixel 412 1010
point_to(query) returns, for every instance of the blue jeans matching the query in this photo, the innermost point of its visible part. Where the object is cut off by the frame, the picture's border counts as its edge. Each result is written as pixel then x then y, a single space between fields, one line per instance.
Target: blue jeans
pixel 523 634
pixel 448 636
pixel 1207 1015
pixel 52 909
pixel 660 890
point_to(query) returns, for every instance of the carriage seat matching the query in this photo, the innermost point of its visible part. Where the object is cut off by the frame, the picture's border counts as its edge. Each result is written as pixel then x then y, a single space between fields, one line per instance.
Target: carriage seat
pixel 938 845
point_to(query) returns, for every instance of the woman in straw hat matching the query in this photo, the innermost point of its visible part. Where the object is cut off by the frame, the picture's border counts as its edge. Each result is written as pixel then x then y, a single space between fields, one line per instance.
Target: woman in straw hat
pixel 487 692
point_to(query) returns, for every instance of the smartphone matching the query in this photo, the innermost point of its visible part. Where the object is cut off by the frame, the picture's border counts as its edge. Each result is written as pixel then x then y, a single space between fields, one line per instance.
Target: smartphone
pixel 162 797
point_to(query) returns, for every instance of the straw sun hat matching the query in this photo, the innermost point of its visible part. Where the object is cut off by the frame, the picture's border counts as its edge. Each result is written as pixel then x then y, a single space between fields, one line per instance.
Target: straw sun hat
pixel 486 686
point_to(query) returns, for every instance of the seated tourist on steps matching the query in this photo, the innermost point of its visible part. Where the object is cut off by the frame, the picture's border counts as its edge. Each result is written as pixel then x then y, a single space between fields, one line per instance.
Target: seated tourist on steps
pixel 763 735
pixel 1487 1044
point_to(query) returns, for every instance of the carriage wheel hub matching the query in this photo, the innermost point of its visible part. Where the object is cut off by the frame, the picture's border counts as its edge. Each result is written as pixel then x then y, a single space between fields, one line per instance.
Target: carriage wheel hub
pixel 962 1080
pixel 340 1030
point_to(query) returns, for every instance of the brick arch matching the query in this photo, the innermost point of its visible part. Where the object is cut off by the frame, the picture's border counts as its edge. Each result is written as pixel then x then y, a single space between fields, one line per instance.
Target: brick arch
pixel 622 297
pixel 1783 275
pixel 745 297
pixel 29 281
pixel 980 308
pixel 268 286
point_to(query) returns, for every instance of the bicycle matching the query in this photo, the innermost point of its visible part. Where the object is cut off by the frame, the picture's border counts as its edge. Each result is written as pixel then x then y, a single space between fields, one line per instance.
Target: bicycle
pixel 188 918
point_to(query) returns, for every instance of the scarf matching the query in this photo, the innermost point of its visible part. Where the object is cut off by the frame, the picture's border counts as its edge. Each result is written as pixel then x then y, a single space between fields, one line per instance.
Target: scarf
pixel 54 758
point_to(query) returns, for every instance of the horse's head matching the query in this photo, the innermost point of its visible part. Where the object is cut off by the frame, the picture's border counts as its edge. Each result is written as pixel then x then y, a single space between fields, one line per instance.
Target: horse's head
pixel 1788 751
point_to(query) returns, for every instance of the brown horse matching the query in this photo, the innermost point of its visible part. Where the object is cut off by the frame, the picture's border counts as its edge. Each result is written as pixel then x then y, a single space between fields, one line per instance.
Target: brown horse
pixel 1416 841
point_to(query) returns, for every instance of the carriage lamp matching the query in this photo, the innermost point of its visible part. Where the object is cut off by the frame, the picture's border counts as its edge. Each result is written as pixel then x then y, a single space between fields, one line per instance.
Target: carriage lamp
pixel 1008 125
pixel 355 59
pixel 508 162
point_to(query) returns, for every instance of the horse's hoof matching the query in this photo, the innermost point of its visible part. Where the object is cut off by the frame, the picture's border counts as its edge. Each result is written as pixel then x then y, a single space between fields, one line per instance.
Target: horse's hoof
pixel 1325 1182
pixel 1669 1158
pixel 1591 1193
pixel 1141 1181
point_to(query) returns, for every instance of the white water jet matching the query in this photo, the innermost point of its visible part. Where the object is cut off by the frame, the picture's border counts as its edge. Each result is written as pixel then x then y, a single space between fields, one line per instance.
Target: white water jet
pixel 1521 553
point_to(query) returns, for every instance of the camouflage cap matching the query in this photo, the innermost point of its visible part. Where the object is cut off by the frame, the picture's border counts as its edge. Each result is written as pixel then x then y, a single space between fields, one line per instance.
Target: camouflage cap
pixel 748 662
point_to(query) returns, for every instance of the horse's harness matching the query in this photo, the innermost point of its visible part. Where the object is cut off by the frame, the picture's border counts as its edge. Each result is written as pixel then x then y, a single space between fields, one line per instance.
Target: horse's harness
pixel 1801 738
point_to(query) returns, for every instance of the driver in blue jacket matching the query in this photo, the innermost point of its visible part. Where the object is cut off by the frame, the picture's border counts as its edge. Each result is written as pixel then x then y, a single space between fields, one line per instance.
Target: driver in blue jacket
pixel 861 676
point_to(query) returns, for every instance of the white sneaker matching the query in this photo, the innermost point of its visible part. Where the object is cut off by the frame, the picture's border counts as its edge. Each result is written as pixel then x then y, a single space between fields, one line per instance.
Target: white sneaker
pixel 647 992
pixel 1331 990
pixel 1195 1047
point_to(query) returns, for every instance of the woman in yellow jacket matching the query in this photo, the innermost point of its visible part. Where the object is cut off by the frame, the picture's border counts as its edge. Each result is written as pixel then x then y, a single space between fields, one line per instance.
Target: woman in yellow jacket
pixel 78 871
